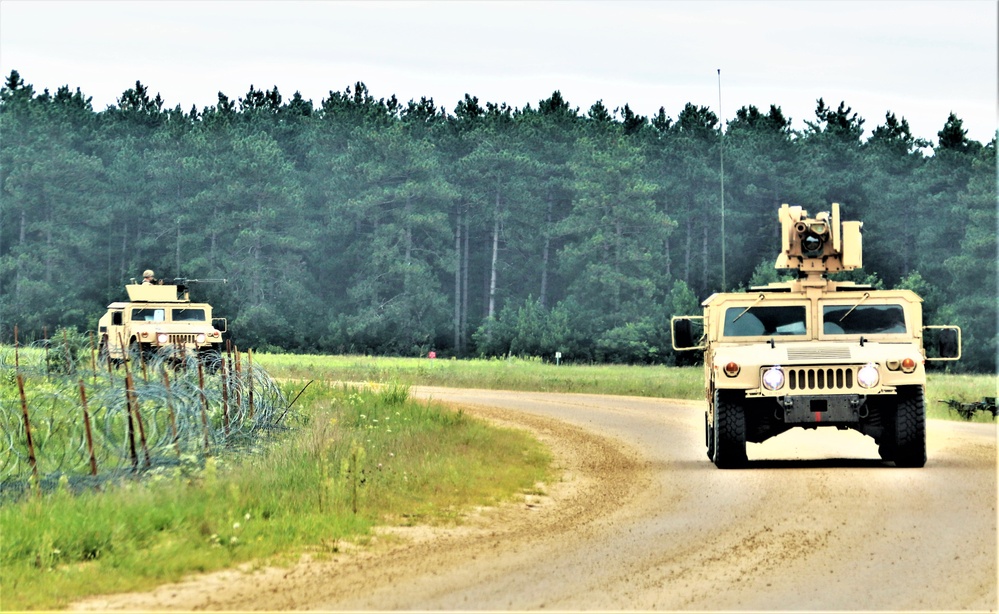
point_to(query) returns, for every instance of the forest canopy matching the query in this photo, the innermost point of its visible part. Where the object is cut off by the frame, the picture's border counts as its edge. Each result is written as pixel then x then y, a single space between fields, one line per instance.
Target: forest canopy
pixel 367 225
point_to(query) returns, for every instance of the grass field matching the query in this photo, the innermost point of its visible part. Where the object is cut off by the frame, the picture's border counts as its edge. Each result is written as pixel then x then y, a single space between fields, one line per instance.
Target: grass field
pixel 506 374
pixel 521 374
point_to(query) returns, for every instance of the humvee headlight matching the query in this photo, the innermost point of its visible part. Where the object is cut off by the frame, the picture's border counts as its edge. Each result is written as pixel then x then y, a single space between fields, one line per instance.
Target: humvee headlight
pixel 868 376
pixel 201 337
pixel 773 378
pixel 908 364
pixel 162 338
pixel 732 369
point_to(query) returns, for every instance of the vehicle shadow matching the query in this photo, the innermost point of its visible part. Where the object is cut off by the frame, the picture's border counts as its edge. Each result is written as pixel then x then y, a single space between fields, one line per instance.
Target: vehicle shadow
pixel 789 464
pixel 817 463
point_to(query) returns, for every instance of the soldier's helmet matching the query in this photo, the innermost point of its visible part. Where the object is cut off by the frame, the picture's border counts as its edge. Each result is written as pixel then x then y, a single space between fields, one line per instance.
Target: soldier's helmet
pixel 147 273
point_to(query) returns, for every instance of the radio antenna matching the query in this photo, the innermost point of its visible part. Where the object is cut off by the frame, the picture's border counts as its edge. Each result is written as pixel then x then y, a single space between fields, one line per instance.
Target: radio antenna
pixel 721 164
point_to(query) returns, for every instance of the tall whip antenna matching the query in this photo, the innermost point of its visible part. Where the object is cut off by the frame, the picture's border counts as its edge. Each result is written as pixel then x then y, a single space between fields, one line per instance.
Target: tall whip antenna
pixel 721 158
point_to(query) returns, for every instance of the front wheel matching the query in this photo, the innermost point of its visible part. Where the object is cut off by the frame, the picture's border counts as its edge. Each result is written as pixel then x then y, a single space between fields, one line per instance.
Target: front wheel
pixel 910 427
pixel 729 430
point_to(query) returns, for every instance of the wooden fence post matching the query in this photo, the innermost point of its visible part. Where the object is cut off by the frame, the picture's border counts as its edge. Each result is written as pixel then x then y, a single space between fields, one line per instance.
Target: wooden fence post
pixel 204 407
pixel 27 431
pixel 86 426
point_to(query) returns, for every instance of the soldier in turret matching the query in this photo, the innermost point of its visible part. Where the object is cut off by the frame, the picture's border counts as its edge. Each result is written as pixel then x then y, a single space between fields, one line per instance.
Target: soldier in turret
pixel 148 277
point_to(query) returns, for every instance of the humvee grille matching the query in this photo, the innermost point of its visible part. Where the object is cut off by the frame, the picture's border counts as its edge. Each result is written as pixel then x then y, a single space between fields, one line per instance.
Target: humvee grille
pixel 182 339
pixel 822 378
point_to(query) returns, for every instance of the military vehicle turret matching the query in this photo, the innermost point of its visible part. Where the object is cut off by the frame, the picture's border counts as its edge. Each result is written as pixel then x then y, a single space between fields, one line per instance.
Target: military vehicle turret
pixel 160 319
pixel 813 352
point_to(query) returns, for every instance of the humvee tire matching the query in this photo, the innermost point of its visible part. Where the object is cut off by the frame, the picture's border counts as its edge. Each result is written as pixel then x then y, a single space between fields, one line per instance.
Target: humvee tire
pixel 729 430
pixel 910 428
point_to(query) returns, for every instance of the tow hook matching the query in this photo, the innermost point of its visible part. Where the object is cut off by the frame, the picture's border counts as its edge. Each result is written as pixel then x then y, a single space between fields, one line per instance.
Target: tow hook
pixel 859 403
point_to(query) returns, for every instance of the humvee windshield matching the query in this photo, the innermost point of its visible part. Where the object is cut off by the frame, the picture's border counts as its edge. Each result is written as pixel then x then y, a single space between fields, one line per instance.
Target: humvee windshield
pixel 765 321
pixel 188 315
pixel 148 315
pixel 862 319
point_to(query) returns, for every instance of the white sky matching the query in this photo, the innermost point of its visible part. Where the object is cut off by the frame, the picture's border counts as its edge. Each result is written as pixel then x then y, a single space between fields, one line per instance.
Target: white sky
pixel 918 59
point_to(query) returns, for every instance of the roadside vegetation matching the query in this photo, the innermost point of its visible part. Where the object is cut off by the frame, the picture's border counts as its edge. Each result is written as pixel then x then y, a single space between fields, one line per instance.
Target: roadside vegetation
pixel 495 374
pixel 961 388
pixel 534 374
pixel 352 458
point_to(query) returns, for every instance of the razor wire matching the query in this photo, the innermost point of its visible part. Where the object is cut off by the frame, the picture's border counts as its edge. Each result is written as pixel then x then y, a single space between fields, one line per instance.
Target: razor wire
pixel 176 409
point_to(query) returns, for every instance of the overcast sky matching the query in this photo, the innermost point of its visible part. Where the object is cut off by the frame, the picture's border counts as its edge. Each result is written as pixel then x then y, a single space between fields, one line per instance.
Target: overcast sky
pixel 918 59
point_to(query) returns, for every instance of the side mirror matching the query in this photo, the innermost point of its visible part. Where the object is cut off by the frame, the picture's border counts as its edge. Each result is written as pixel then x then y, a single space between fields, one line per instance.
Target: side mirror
pixel 944 342
pixel 948 344
pixel 684 335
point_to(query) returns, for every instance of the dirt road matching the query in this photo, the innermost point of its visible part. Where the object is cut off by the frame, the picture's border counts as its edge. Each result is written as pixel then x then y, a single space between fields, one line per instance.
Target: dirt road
pixel 641 520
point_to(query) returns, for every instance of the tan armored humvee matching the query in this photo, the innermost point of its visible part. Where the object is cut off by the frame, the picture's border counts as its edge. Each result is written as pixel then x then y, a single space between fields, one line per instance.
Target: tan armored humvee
pixel 160 319
pixel 814 352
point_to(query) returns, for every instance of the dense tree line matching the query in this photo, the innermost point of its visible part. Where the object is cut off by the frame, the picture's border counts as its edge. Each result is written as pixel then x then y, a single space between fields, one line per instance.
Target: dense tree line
pixel 367 225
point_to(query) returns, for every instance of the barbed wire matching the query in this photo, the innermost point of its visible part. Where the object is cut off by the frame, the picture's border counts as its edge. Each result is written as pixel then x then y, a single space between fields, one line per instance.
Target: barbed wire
pixel 178 411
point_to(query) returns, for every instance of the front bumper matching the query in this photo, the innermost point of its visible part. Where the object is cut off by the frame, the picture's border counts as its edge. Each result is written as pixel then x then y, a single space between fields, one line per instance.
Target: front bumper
pixel 808 409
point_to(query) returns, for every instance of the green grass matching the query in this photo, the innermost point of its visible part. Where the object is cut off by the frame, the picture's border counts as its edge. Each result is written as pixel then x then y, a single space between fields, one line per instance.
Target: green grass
pixel 358 458
pixel 495 374
pixel 962 388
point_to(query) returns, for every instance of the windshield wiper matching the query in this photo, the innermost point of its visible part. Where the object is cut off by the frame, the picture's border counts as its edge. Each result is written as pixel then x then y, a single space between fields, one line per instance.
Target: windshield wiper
pixel 866 296
pixel 746 310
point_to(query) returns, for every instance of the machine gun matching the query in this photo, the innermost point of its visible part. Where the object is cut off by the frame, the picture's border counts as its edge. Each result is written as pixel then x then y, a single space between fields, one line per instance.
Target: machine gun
pixel 967 410
pixel 183 285
pixel 178 290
